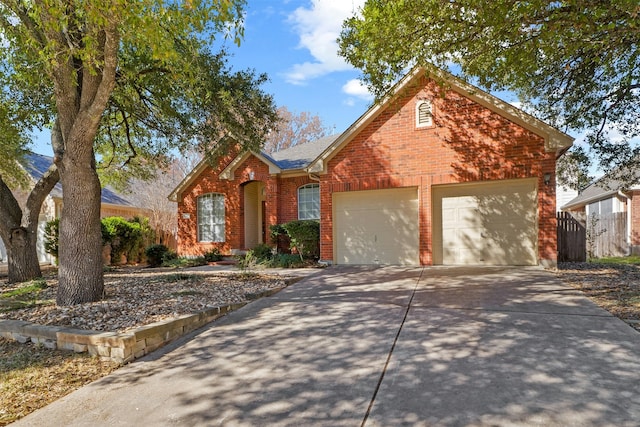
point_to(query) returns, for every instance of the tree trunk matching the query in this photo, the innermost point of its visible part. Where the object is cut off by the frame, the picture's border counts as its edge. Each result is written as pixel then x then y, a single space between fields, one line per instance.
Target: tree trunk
pixel 80 275
pixel 19 239
pixel 19 227
pixel 22 255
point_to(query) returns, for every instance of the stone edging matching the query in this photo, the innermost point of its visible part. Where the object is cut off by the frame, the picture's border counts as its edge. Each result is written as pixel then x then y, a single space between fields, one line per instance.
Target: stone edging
pixel 119 347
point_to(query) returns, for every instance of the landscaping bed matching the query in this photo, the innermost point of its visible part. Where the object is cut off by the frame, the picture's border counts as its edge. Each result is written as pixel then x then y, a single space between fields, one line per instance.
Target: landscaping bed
pixel 32 376
pixel 612 284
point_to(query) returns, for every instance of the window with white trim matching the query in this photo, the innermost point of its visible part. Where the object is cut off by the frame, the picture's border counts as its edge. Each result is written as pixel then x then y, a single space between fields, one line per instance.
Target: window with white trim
pixel 309 201
pixel 211 217
pixel 424 113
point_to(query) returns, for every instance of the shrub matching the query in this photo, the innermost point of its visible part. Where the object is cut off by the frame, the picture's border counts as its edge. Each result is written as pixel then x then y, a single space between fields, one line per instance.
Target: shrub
pixel 247 261
pixel 286 261
pixel 147 238
pixel 213 255
pixel 51 232
pixel 262 252
pixel 305 237
pixel 125 238
pixel 155 255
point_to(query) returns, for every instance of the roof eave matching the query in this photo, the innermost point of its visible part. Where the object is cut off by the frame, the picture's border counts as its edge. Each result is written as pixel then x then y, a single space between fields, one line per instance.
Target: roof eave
pixel 187 180
pixel 589 200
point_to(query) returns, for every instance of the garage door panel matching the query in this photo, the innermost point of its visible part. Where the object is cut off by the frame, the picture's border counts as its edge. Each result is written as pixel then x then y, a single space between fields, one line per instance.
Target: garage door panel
pixel 376 227
pixel 487 223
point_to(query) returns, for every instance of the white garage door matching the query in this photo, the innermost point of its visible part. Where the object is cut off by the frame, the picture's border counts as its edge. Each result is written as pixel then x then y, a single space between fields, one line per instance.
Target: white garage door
pixel 487 223
pixel 376 227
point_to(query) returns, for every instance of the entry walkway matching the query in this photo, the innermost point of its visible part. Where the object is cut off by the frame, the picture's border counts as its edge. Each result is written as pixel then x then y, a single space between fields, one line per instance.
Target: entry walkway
pixel 385 347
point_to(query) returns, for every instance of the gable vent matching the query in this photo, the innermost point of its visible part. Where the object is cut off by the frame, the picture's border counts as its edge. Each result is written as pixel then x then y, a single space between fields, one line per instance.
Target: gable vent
pixel 424 113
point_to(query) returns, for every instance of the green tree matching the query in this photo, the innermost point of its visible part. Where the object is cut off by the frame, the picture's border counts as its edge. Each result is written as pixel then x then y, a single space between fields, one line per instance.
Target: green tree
pixel 121 74
pixel 573 169
pixel 575 63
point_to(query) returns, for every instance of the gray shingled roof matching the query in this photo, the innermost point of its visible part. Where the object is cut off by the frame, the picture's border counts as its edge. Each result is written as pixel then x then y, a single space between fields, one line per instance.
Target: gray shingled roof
pixel 600 189
pixel 300 156
pixel 37 164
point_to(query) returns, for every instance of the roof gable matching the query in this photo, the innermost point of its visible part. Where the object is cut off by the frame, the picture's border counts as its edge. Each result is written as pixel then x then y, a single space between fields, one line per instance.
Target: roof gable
pixel 293 159
pixel 555 140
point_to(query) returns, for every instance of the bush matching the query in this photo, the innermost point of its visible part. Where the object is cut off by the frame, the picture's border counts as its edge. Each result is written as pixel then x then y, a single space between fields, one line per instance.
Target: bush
pixel 155 255
pixel 147 238
pixel 173 261
pixel 262 252
pixel 125 238
pixel 260 255
pixel 51 232
pixel 213 255
pixel 305 237
pixel 286 261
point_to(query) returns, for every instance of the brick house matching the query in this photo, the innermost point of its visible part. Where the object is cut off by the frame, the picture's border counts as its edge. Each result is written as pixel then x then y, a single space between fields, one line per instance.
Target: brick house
pixel 439 172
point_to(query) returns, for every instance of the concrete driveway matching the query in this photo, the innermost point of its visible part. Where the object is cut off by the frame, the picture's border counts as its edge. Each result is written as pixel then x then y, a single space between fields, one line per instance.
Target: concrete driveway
pixel 385 347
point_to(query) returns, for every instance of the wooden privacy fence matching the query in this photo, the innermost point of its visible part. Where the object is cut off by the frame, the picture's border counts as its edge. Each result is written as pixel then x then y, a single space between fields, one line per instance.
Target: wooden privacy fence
pixel 607 235
pixel 572 237
pixel 597 236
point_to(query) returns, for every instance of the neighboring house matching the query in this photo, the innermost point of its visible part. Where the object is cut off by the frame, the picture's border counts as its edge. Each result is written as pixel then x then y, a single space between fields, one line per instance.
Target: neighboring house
pixel 113 204
pixel 610 196
pixel 563 196
pixel 433 174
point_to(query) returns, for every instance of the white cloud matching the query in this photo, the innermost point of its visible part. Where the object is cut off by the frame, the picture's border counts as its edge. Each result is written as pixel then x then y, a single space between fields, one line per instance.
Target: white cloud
pixel 355 87
pixel 318 27
pixel 349 102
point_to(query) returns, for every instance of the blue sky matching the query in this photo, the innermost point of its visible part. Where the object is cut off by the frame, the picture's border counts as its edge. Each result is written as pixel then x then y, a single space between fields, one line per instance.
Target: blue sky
pixel 293 41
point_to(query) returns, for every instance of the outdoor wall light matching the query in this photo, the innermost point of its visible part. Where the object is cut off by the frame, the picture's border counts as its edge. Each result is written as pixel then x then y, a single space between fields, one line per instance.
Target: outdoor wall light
pixel 547 178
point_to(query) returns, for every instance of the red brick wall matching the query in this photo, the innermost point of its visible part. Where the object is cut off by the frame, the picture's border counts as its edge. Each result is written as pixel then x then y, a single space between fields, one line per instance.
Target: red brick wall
pixel 289 197
pixel 468 142
pixel 281 204
pixel 208 182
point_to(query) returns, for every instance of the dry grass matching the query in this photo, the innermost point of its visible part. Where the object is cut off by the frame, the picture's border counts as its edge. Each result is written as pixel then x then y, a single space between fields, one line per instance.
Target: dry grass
pixel 32 376
pixel 614 286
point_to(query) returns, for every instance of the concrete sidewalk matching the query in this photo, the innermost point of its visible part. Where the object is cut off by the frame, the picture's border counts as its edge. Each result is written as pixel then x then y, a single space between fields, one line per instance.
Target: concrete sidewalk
pixel 385 347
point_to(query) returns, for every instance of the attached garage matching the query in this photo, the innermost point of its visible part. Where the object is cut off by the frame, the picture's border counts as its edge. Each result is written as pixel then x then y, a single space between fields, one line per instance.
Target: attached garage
pixel 377 226
pixel 488 223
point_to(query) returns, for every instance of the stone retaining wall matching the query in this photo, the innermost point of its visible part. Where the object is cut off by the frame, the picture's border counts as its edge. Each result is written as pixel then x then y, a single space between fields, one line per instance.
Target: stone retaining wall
pixel 120 347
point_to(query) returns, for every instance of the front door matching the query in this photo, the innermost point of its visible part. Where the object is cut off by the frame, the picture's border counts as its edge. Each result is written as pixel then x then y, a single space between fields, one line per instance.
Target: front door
pixel 253 214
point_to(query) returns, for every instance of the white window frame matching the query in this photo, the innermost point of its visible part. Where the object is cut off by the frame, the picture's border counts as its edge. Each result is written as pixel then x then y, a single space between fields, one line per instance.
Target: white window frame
pixel 211 217
pixel 309 201
pixel 424 118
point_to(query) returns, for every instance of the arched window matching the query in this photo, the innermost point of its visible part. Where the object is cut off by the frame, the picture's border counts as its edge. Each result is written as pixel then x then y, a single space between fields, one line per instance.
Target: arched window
pixel 211 217
pixel 309 201
pixel 424 113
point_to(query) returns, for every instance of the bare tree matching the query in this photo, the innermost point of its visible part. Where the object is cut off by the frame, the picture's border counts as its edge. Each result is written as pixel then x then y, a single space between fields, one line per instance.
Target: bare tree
pixel 293 129
pixel 152 194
